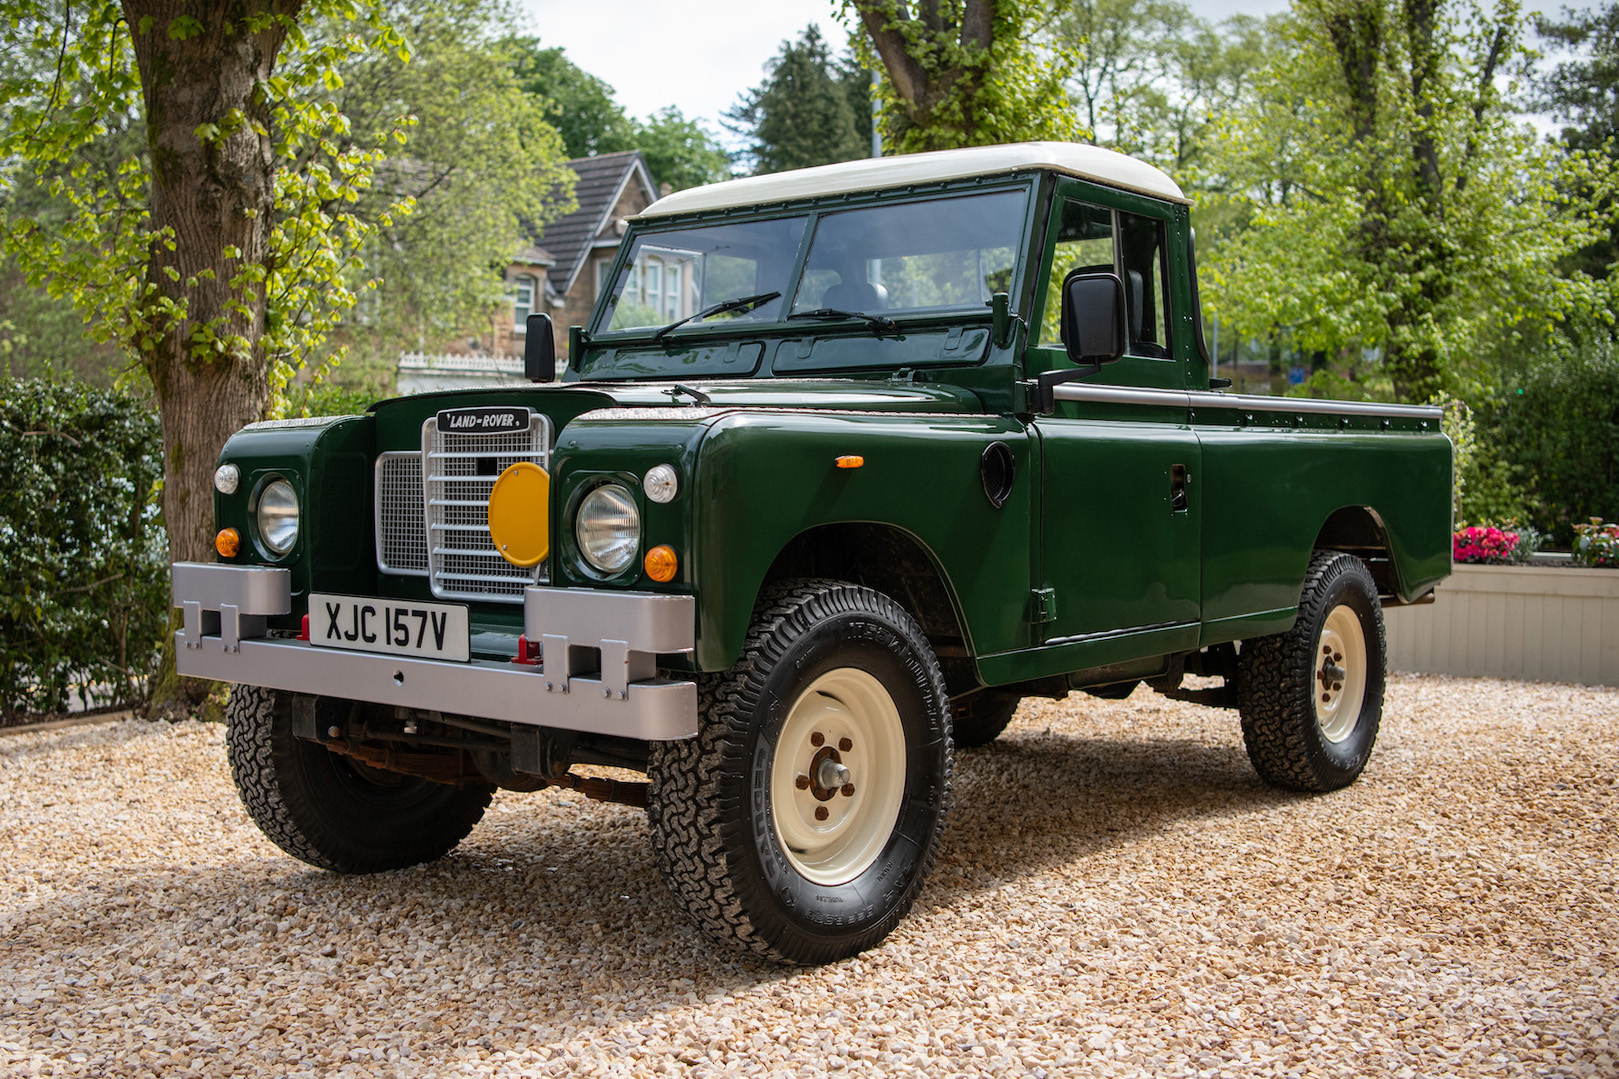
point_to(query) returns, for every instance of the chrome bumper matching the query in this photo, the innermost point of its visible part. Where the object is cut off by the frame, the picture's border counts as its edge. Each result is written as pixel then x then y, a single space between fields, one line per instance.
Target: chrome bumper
pixel 615 636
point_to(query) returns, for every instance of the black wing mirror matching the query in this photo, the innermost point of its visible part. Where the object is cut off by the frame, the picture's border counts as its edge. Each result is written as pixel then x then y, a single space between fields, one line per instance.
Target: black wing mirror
pixel 1093 318
pixel 1092 326
pixel 539 349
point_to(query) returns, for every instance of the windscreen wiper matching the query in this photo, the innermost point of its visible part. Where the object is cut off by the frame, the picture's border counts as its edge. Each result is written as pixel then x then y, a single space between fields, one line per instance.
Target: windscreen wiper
pixel 877 322
pixel 741 303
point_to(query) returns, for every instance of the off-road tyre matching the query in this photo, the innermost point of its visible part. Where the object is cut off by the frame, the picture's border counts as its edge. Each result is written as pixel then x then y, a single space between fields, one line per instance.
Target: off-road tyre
pixel 979 719
pixel 715 800
pixel 1285 683
pixel 331 811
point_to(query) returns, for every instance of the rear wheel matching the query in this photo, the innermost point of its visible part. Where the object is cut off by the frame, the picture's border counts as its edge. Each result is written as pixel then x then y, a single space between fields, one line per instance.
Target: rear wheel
pixel 329 810
pixel 1311 699
pixel 802 820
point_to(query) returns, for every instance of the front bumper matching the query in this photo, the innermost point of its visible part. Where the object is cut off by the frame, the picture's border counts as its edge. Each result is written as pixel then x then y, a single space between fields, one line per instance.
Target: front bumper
pixel 614 636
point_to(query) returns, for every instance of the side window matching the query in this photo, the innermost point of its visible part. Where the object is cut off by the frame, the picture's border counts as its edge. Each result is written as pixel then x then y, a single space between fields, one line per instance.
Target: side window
pixel 1146 298
pixel 1084 242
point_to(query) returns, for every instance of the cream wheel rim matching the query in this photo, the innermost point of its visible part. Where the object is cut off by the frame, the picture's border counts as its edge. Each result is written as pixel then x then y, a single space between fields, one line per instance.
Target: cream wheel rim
pixel 838 776
pixel 1339 685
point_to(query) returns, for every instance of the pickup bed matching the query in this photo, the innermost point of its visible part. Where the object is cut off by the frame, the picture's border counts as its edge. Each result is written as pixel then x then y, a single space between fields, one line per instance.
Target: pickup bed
pixel 890 446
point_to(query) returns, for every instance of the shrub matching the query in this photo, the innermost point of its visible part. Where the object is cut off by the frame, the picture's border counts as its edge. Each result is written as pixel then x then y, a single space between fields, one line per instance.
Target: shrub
pixel 1560 425
pixel 83 559
pixel 1597 544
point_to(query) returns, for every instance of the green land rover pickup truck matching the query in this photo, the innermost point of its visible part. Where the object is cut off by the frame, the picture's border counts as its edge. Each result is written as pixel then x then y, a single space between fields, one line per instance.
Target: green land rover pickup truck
pixel 909 440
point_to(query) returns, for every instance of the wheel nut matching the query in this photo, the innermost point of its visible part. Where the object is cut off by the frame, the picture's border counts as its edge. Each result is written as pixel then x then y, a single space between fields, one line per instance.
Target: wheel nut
pixel 1325 698
pixel 848 790
pixel 1326 650
pixel 1336 686
pixel 821 813
pixel 803 783
pixel 817 739
pixel 845 744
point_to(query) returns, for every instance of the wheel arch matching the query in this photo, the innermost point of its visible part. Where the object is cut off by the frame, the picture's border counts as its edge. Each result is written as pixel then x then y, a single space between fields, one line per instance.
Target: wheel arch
pixel 892 561
pixel 1360 530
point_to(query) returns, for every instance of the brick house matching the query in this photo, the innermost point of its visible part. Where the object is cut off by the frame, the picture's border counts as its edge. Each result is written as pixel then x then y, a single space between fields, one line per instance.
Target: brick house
pixel 564 276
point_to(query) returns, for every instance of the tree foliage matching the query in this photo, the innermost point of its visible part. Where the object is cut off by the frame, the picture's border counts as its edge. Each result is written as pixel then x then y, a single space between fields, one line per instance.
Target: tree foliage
pixel 811 109
pixel 1582 92
pixel 1151 79
pixel 477 187
pixel 1396 203
pixel 583 109
pixel 963 72
pixel 220 248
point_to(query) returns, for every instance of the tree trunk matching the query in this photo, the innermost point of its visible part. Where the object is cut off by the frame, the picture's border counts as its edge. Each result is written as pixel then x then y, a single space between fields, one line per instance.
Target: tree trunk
pixel 926 89
pixel 200 64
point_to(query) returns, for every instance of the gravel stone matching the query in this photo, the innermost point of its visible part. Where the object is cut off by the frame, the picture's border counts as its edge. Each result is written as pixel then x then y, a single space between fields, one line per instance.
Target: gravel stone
pixel 1117 895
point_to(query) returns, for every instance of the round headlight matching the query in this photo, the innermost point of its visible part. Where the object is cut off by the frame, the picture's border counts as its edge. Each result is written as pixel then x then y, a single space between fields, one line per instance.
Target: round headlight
pixel 278 516
pixel 608 528
pixel 661 483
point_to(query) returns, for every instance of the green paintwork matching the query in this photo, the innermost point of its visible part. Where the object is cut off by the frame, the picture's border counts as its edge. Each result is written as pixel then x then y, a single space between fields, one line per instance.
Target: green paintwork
pixel 1125 571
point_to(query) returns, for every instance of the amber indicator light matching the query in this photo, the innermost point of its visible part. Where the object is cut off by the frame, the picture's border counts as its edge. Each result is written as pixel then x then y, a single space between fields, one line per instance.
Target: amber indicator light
pixel 228 542
pixel 851 460
pixel 661 563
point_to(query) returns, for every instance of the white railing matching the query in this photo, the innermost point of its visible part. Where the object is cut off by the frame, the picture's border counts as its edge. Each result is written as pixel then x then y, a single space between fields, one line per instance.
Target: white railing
pixel 420 372
pixel 461 363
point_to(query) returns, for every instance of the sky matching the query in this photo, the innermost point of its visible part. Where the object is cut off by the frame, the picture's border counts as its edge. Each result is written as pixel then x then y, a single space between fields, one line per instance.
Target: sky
pixel 700 57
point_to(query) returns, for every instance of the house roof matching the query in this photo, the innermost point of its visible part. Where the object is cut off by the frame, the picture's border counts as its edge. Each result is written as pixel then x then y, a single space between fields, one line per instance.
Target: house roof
pixel 872 174
pixel 601 182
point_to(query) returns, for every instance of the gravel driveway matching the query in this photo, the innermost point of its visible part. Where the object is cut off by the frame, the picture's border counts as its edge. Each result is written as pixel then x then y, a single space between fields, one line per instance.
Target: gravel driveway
pixel 1117 896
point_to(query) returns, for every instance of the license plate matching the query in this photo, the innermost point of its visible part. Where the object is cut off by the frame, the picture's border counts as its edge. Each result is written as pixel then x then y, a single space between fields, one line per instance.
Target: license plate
pixel 395 626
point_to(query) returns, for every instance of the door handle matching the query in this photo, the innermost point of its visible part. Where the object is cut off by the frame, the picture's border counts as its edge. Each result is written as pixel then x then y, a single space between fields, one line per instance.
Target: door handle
pixel 1177 489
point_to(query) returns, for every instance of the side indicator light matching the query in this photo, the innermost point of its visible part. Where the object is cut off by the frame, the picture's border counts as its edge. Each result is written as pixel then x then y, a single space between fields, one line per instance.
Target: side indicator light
pixel 661 563
pixel 851 460
pixel 228 543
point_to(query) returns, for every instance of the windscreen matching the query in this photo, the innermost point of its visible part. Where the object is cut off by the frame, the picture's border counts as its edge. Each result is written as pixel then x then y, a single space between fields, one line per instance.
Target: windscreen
pixel 673 275
pixel 918 257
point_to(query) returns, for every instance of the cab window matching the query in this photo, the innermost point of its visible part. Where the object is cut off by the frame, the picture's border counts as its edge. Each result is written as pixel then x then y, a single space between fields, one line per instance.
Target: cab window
pixel 1094 239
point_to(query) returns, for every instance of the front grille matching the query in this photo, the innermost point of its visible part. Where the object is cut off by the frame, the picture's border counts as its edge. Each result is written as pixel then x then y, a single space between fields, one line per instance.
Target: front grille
pixel 460 471
pixel 401 521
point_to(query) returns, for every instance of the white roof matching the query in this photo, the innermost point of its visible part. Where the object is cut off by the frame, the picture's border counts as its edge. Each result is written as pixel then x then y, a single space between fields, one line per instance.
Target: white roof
pixel 871 174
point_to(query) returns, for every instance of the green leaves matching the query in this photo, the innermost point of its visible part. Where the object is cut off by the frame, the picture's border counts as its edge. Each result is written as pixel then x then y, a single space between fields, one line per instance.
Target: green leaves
pixel 83 565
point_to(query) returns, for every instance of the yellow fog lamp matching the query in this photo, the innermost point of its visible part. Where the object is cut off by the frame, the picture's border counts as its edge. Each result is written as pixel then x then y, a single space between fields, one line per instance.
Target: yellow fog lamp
pixel 519 506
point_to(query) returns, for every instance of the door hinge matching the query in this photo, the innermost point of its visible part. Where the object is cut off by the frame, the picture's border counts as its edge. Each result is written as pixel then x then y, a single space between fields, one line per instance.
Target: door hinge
pixel 1042 605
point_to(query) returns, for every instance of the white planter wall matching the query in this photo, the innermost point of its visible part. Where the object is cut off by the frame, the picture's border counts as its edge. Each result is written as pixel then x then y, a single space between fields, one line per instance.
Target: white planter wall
pixel 1534 624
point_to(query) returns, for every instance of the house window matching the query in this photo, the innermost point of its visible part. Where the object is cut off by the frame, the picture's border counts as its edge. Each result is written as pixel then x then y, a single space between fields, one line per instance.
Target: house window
pixel 653 273
pixel 671 290
pixel 523 293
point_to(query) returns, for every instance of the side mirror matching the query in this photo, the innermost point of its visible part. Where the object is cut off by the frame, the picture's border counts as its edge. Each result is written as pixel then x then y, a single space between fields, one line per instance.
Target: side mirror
pixel 539 349
pixel 1092 325
pixel 1093 318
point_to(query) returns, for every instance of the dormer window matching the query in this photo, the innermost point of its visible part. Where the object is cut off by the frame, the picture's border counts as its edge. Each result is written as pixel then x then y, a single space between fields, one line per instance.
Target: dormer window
pixel 524 290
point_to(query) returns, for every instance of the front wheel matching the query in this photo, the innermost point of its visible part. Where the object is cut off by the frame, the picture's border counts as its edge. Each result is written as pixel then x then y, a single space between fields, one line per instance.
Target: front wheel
pixel 332 811
pixel 802 820
pixel 1311 699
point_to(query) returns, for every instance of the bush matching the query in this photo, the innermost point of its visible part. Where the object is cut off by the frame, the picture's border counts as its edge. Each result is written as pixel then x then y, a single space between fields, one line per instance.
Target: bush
pixel 83 560
pixel 1560 425
pixel 1596 544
